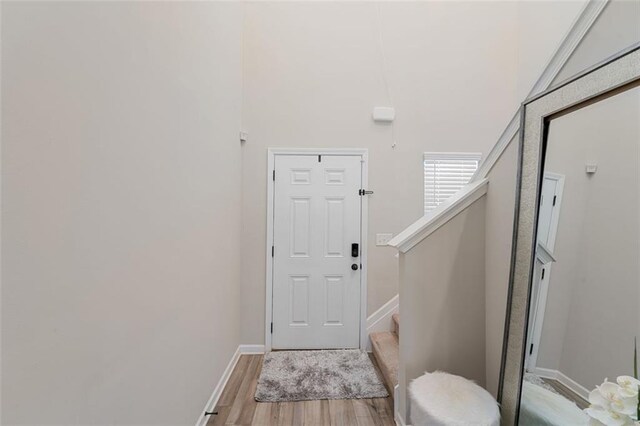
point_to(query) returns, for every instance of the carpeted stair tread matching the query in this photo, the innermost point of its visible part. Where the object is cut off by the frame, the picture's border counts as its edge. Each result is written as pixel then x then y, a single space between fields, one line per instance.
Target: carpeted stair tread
pixel 396 323
pixel 386 350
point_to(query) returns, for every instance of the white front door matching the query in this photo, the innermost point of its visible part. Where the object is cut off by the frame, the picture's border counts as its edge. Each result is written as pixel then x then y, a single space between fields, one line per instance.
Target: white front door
pixel 536 313
pixel 548 215
pixel 548 219
pixel 316 263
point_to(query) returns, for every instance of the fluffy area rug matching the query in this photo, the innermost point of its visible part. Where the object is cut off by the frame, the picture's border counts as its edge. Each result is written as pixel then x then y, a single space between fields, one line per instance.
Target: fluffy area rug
pixel 532 378
pixel 310 375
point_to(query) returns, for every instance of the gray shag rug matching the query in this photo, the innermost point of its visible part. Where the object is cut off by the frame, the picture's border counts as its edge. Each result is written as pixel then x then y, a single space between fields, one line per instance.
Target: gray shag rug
pixel 536 380
pixel 311 375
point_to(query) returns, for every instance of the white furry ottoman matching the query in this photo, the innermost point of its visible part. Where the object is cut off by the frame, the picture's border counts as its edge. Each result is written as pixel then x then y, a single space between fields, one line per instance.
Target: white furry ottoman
pixel 441 399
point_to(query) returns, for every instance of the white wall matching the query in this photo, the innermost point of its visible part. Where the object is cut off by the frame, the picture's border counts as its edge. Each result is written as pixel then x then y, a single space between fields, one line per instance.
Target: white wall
pixel 455 71
pixel 617 28
pixel 121 257
pixel 441 295
pixel 121 209
pixel 594 285
pixel 542 25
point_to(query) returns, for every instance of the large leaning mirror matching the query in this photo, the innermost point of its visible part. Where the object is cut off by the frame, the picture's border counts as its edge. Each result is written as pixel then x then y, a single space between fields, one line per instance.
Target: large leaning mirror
pixel 574 303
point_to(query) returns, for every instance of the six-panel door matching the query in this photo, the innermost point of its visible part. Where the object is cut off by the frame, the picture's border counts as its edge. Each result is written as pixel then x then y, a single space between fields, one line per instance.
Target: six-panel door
pixel 316 287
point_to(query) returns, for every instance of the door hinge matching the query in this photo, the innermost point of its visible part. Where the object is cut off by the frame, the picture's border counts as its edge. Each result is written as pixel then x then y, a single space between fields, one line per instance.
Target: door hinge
pixel 362 192
pixel 274 175
pixel 531 349
pixel 273 251
pixel 554 199
pixel 271 328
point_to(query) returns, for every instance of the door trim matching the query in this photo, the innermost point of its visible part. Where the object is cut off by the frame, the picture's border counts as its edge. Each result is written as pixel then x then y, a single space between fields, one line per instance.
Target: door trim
pixel 555 217
pixel 541 305
pixel 364 225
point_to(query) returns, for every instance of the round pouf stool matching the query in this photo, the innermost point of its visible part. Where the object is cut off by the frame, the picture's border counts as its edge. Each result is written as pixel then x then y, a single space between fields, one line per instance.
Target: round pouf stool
pixel 441 399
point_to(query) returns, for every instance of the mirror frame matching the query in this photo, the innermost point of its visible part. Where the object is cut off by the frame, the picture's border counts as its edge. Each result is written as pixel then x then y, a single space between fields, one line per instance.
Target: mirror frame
pixel 614 75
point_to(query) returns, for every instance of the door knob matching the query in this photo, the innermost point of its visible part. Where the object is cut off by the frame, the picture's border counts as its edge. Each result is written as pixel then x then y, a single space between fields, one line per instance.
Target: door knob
pixel 354 266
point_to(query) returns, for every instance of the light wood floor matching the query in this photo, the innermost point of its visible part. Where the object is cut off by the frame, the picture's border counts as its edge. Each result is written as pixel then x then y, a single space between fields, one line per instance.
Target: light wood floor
pixel 237 405
pixel 567 393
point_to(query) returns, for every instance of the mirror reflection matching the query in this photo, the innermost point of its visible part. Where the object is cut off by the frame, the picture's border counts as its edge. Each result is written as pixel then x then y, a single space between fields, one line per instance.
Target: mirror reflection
pixel 583 315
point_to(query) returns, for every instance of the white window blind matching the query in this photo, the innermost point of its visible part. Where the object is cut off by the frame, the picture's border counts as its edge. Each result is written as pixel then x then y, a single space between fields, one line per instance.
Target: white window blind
pixel 445 173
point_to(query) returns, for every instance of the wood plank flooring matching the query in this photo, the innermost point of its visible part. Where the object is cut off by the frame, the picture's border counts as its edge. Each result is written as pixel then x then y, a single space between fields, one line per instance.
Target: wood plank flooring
pixel 567 393
pixel 237 405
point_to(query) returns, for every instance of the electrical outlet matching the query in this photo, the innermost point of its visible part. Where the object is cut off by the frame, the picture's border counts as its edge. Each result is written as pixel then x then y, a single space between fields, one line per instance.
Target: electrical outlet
pixel 383 239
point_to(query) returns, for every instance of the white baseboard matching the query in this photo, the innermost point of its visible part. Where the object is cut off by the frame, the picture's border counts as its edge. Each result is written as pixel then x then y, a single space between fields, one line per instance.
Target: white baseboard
pixel 567 381
pixel 396 410
pixel 251 349
pixel 217 391
pixel 381 319
pixel 573 385
pixel 399 420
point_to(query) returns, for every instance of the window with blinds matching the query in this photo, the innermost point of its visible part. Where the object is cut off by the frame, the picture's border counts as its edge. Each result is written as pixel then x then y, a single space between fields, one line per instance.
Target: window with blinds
pixel 445 173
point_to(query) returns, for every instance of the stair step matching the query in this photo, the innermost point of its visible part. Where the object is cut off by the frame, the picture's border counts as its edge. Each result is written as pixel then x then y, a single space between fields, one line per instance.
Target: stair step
pixel 396 323
pixel 387 352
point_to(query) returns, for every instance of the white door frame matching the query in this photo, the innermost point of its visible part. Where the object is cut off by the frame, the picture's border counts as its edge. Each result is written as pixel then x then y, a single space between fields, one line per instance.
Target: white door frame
pixel 271 157
pixel 555 217
pixel 547 258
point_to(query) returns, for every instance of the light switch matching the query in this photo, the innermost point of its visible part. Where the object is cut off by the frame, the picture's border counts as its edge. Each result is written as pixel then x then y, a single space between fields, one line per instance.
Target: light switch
pixel 383 239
